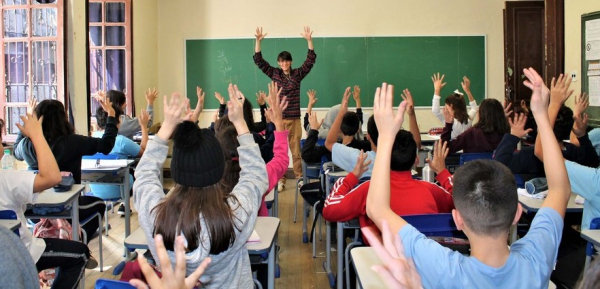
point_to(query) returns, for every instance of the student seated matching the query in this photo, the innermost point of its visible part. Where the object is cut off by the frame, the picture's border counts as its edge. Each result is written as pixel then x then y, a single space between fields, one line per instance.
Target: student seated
pixel 68 148
pixel 484 136
pixel 130 125
pixel 524 161
pixel 215 223
pixel 486 204
pixel 347 199
pixel 20 188
pixel 455 103
pixel 124 148
pixel 311 152
pixel 255 127
pixel 344 156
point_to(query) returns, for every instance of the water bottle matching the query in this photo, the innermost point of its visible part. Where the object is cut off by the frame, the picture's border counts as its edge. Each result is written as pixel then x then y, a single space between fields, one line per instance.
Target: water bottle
pixel 8 161
pixel 428 174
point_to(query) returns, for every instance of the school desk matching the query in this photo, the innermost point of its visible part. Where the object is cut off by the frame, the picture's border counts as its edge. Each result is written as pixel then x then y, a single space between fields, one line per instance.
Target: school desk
pixel 12 225
pixel 362 259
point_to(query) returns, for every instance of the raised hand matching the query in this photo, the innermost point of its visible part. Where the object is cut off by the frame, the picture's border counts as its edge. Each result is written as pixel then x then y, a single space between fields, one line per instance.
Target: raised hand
pixel 361 165
pixel 517 125
pixel 345 100
pixel 31 104
pixel 143 118
pixel 199 105
pixel 276 108
pixel 524 107
pixel 466 84
pixel 235 108
pixel 170 279
pixel 539 99
pixel 307 33
pixel 151 95
pixel 410 104
pixel 259 34
pixel 581 104
pixel 172 115
pixel 312 97
pixel 220 98
pixel 356 96
pixel 32 126
pixel 261 98
pixel 448 115
pixel 397 271
pixel 314 123
pixel 559 92
pixel 580 125
pixel 438 163
pixel 106 104
pixel 438 83
pixel 388 124
pixel 507 108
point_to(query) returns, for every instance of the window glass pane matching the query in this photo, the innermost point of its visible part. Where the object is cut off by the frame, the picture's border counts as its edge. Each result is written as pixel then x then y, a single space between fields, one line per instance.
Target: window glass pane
pixel 16 71
pixel 43 1
pixel 44 69
pixel 44 22
pixel 15 23
pixel 96 35
pixel 95 12
pixel 115 69
pixel 14 2
pixel 115 35
pixel 115 12
pixel 13 117
pixel 96 69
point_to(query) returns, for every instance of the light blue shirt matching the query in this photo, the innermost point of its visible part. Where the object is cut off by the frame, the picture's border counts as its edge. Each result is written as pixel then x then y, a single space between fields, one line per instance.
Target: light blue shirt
pixel 529 264
pixel 594 136
pixel 585 181
pixel 124 148
pixel 345 158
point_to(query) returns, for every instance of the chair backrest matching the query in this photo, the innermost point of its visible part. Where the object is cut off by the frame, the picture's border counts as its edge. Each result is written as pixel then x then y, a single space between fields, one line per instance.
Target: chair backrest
pixel 112 284
pixel 467 157
pixel 9 215
pixel 101 156
pixel 589 248
pixel 435 225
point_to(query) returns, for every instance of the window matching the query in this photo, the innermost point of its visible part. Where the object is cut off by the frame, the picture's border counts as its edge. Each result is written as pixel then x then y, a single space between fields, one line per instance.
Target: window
pixel 110 49
pixel 32 46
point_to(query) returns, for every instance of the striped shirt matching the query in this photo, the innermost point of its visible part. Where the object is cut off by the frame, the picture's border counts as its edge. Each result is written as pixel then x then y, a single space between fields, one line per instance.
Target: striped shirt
pixel 289 84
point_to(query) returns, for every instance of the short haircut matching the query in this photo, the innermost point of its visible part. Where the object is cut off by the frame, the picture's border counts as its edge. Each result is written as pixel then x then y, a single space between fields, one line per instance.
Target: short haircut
pixel 372 129
pixel 404 151
pixel 284 56
pixel 485 194
pixel 102 116
pixel 350 124
pixel 116 97
pixel 564 123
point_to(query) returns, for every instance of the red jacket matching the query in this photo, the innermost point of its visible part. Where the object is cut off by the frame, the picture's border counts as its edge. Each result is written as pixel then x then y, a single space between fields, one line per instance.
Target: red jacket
pixel 408 196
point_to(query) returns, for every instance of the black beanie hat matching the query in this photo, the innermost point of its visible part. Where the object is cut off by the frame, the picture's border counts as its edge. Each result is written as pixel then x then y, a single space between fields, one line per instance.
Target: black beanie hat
pixel 198 159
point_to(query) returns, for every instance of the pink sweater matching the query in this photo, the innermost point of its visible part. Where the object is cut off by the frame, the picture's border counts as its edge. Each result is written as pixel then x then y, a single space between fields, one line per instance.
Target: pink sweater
pixel 277 167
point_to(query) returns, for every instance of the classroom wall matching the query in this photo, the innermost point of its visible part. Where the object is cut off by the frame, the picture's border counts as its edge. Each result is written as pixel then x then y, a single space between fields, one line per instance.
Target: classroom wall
pixel 184 19
pixel 145 54
pixel 573 11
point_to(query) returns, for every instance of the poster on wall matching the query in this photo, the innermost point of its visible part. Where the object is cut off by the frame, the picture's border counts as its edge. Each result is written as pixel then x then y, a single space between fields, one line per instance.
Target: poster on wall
pixel 594 90
pixel 592 39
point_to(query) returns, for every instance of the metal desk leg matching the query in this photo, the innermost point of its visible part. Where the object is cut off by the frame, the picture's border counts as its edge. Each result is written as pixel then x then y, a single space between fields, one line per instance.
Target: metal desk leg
pixel 327 264
pixel 340 255
pixel 75 219
pixel 271 264
pixel 127 209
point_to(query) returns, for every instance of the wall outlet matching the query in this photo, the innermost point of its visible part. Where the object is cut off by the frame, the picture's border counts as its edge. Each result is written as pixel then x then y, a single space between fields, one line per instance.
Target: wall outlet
pixel 574 75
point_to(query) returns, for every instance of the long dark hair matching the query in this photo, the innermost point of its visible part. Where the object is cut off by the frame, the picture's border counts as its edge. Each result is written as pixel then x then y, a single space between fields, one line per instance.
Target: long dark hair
pixel 249 115
pixel 492 118
pixel 55 124
pixel 180 212
pixel 227 136
pixel 458 104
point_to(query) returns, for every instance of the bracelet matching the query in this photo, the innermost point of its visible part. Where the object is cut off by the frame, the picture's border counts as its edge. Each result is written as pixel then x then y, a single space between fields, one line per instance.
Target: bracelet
pixel 239 135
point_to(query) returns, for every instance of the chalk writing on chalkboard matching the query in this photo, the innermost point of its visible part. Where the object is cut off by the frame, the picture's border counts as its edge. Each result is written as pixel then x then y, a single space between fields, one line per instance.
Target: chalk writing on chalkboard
pixel 222 59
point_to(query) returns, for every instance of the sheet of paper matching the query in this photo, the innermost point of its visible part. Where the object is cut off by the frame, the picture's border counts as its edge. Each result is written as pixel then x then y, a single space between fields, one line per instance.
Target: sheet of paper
pixel 593 72
pixel 594 92
pixel 254 238
pixel 592 39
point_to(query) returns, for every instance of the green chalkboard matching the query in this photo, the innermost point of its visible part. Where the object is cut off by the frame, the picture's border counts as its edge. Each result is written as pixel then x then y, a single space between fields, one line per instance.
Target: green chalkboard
pixel 406 62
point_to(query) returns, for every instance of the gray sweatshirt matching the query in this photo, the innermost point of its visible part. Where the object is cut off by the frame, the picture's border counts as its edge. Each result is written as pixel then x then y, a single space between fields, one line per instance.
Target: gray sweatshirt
pixel 129 125
pixel 229 269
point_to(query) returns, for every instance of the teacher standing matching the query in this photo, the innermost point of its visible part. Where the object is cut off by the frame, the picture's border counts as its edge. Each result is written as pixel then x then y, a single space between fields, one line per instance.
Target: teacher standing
pixel 288 79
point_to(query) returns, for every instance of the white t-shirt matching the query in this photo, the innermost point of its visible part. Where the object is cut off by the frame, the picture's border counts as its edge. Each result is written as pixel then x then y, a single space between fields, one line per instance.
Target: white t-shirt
pixel 17 192
pixel 458 127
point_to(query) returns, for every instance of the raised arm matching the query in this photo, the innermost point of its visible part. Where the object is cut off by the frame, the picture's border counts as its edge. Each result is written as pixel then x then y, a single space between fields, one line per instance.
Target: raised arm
pixel 413 126
pixel 307 34
pixel 92 145
pixel 559 188
pixel 277 167
pixel 262 64
pixel 505 151
pixel 335 129
pixel 143 119
pixel 438 84
pixel 466 85
pixel 311 57
pixel 310 152
pixel 151 96
pixel 559 93
pixel 312 100
pixel 388 124
pixel 49 174
pixel 259 37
